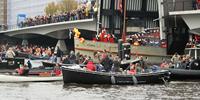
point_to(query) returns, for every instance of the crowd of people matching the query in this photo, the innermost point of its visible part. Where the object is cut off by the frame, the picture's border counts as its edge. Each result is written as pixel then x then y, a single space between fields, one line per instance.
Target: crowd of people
pixel 150 38
pixel 35 50
pixel 142 39
pixel 178 61
pixel 104 62
pixel 9 52
pixel 83 12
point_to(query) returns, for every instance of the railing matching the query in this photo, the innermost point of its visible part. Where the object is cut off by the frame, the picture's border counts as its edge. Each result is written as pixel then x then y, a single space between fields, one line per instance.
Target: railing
pixel 17 26
pixel 42 20
pixel 181 5
pixel 9 27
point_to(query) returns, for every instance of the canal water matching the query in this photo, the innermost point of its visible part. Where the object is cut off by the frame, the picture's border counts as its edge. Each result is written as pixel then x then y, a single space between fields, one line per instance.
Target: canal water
pixel 58 91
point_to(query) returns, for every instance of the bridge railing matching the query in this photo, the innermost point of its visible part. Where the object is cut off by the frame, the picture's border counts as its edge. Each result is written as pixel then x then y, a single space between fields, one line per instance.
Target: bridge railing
pixel 181 5
pixel 18 26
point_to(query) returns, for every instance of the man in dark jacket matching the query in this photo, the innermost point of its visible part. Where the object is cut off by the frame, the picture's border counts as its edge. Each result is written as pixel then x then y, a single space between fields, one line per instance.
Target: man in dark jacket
pixel 59 55
pixel 107 63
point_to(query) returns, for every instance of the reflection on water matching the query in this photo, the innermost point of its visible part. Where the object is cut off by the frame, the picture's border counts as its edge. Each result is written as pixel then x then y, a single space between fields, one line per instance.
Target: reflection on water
pixel 58 91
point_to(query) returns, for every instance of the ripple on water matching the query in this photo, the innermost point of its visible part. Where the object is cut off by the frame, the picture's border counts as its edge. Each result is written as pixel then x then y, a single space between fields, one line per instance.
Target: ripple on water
pixel 58 91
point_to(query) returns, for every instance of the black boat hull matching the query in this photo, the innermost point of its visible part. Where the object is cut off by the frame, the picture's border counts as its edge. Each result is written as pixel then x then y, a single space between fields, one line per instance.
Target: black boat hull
pixel 86 77
pixel 184 74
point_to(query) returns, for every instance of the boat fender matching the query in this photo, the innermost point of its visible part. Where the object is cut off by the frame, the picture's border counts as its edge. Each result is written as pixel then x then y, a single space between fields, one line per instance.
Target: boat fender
pixel 134 80
pixel 113 80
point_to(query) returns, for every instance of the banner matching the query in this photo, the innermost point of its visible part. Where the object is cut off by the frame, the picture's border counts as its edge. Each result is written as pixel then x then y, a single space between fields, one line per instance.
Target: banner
pixel 20 18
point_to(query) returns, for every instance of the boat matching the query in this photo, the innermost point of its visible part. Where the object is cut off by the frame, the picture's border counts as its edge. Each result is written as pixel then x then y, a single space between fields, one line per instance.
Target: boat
pixel 190 72
pixel 10 63
pixel 16 78
pixel 34 75
pixel 150 53
pixel 30 56
pixel 77 75
pixel 184 74
pixel 48 64
pixel 51 65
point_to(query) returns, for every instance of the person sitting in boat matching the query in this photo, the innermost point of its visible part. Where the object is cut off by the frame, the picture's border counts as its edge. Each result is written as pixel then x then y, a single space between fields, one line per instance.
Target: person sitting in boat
pixel 185 62
pixel 116 65
pixel 97 56
pixel 139 69
pixel 99 66
pixel 107 63
pixel 52 58
pixel 10 54
pixel 90 66
pixel 142 63
pixel 77 58
pixel 66 60
pixel 23 70
pixel 132 70
pixel 72 57
pixel 164 64
pixel 175 58
pixel 86 59
pixel 57 70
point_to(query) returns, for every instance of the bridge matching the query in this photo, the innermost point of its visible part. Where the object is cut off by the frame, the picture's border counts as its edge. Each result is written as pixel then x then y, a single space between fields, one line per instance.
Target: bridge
pixel 191 18
pixel 58 31
pixel 54 30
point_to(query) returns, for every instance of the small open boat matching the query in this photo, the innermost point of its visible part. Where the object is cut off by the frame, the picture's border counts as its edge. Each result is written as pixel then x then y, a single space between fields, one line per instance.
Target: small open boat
pixel 15 79
pixel 192 71
pixel 183 74
pixel 75 75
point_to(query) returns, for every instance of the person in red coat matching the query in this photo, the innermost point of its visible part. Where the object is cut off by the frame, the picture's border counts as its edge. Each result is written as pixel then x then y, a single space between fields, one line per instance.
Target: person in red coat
pixel 90 66
pixel 57 70
pixel 112 38
pixel 102 35
pixel 132 70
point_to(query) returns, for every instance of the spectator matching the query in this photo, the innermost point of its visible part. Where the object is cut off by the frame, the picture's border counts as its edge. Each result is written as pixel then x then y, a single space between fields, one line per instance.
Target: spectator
pixel 58 55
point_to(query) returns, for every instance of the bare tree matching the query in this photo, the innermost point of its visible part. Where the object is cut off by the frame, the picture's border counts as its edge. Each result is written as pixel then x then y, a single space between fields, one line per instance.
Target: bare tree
pixel 51 9
pixel 62 6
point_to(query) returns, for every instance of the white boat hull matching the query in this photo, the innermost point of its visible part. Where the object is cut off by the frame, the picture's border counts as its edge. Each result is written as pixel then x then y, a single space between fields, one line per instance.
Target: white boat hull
pixel 13 79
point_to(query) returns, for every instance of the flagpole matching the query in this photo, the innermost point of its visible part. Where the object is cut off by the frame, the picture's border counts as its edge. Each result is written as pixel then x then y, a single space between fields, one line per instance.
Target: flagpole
pixel 124 23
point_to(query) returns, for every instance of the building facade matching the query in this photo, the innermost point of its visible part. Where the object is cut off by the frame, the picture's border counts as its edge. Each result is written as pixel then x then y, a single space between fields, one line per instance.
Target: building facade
pixel 3 14
pixel 25 8
pixel 140 14
pixel 177 32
